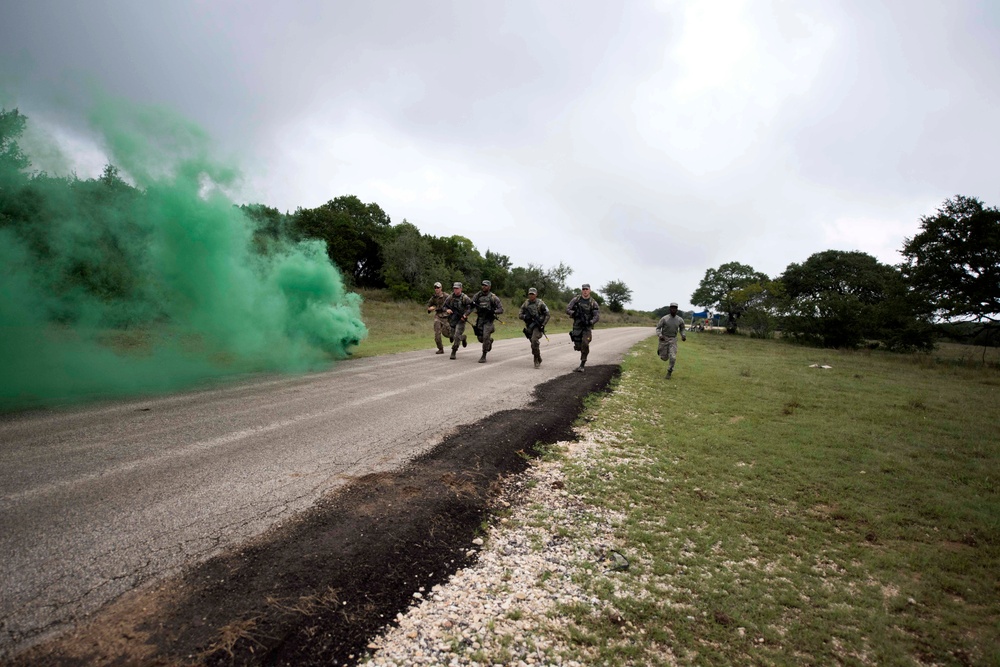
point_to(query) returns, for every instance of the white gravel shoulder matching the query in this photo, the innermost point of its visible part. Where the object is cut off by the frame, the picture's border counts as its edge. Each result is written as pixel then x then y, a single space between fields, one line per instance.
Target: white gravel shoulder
pixel 503 610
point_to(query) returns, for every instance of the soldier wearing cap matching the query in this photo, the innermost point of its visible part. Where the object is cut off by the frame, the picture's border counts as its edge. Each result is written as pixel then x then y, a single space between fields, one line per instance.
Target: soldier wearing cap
pixel 487 306
pixel 585 312
pixel 441 327
pixel 535 314
pixel 667 329
pixel 457 306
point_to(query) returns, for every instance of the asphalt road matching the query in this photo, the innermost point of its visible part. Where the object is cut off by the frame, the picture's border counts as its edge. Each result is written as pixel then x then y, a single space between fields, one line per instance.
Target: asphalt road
pixel 97 501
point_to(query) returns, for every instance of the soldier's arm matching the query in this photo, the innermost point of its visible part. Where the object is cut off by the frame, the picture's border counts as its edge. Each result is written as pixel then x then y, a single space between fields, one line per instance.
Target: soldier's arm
pixel 497 305
pixel 595 314
pixel 571 307
pixel 544 310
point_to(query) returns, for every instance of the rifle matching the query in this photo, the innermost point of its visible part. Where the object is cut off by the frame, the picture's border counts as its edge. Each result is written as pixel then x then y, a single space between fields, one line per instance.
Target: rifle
pixel 541 327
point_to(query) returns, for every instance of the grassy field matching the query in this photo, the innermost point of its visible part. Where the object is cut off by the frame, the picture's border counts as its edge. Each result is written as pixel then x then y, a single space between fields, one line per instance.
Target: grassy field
pixel 402 326
pixel 778 513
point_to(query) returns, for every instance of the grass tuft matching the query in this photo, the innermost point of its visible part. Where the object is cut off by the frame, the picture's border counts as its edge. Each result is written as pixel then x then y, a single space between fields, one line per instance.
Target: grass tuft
pixel 865 531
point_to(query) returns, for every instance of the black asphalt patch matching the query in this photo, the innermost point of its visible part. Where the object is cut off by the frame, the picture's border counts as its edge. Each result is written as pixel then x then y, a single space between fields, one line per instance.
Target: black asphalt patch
pixel 317 590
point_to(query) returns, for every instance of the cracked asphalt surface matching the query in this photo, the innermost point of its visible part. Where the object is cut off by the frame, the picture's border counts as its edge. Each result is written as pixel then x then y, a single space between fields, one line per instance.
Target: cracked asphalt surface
pixel 98 502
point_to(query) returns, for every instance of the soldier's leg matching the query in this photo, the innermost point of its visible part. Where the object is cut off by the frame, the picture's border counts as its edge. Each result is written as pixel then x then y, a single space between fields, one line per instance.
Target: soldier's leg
pixel 672 354
pixel 584 349
pixel 488 329
pixel 437 335
pixel 458 333
pixel 536 351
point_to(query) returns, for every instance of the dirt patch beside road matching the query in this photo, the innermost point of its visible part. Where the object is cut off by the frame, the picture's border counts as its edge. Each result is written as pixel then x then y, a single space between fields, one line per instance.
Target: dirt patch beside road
pixel 317 589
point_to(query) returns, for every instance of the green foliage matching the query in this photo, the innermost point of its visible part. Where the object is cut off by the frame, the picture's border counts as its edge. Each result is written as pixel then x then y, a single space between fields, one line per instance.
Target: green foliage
pixel 841 299
pixel 353 232
pixel 108 288
pixel 12 158
pixel 717 290
pixel 774 531
pixel 409 265
pixel 551 283
pixel 954 261
pixel 759 305
pixel 617 294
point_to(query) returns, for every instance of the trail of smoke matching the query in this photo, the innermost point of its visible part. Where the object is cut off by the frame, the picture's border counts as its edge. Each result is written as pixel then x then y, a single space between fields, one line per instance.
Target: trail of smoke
pixel 109 289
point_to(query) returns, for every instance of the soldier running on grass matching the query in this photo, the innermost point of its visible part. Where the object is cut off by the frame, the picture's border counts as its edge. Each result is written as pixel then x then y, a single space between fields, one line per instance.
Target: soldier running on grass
pixel 535 314
pixel 667 329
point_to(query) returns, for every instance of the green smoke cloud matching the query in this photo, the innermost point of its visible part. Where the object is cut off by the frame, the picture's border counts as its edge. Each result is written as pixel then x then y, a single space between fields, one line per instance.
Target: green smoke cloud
pixel 111 288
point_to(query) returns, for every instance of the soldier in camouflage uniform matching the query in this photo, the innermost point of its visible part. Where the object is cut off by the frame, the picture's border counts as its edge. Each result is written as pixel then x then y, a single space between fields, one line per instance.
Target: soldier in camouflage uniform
pixel 535 314
pixel 585 312
pixel 487 306
pixel 441 326
pixel 667 329
pixel 457 307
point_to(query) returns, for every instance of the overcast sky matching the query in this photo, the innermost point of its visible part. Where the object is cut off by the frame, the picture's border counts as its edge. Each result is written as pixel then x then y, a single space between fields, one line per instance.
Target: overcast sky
pixel 636 141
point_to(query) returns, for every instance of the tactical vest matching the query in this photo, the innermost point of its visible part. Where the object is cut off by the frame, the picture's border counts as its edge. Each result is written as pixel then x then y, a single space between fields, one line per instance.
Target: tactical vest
pixel 534 310
pixel 438 303
pixel 483 302
pixel 584 311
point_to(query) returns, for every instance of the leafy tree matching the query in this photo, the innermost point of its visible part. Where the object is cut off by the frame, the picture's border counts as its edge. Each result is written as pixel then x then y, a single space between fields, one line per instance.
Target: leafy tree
pixel 716 290
pixel 760 305
pixel 12 158
pixel 954 261
pixel 550 283
pixel 617 294
pixel 354 233
pixel 409 265
pixel 496 269
pixel 840 299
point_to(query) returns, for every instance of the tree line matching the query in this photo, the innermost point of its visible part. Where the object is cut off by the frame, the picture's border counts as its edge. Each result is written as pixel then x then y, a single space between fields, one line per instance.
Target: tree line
pixel 360 239
pixel 373 253
pixel 948 282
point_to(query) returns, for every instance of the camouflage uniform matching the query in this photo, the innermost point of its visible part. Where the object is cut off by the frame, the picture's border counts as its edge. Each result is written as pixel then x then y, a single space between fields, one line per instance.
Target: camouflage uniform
pixel 487 306
pixel 441 326
pixel 535 315
pixel 667 329
pixel 585 313
pixel 459 305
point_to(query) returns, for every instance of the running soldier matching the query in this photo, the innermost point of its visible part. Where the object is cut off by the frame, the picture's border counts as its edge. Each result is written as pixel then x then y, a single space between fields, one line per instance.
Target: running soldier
pixel 535 314
pixel 487 306
pixel 667 329
pixel 457 306
pixel 585 313
pixel 441 326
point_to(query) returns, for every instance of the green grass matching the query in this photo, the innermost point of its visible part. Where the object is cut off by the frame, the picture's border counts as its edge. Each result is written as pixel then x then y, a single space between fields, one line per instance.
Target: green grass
pixel 782 514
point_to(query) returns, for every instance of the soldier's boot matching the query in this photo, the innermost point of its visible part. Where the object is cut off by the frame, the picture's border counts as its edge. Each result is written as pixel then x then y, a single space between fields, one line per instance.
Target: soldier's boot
pixel 440 349
pixel 670 371
pixel 453 352
pixel 482 359
pixel 538 360
pixel 579 369
pixel 463 340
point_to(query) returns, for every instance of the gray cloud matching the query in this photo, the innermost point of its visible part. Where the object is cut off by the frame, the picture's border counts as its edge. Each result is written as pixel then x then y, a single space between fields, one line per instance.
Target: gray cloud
pixel 644 142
